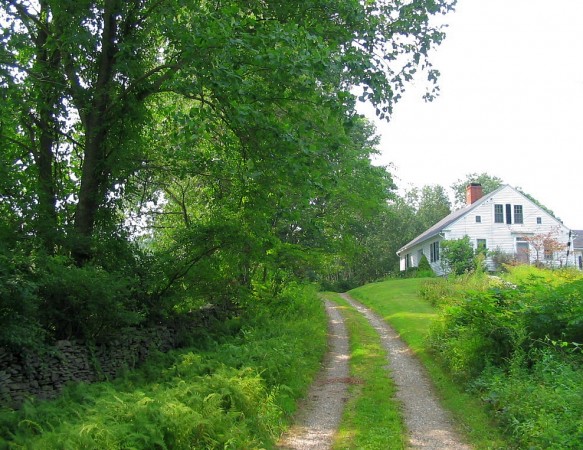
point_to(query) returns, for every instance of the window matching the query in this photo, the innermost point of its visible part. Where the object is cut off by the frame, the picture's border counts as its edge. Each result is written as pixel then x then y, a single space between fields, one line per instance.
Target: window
pixel 498 214
pixel 434 251
pixel 408 261
pixel 518 214
pixel 539 220
pixel 478 219
pixel 481 248
pixel 548 253
pixel 508 213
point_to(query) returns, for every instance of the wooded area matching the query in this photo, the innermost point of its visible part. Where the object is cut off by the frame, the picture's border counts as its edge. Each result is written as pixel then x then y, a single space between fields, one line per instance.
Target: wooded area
pixel 159 155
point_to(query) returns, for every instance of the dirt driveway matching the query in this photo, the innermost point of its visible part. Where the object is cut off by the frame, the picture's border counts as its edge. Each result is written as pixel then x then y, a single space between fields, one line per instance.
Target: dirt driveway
pixel 429 426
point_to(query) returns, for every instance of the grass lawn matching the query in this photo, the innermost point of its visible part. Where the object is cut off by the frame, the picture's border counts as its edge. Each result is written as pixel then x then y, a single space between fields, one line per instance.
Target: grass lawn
pixel 399 303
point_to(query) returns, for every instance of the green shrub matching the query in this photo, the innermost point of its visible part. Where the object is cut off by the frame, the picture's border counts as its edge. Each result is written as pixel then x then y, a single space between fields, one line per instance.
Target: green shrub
pixel 440 291
pixel 482 329
pixel 19 302
pixel 48 297
pixel 555 312
pixel 424 269
pixel 526 275
pixel 457 255
pixel 502 260
pixel 519 345
pixel 540 407
pixel 86 302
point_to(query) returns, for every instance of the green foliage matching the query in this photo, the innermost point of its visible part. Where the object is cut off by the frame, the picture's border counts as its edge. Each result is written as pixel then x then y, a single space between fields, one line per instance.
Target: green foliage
pixel 222 138
pixel 457 256
pixel 489 183
pixel 424 269
pixel 431 204
pixel 444 290
pixel 19 301
pixel 482 330
pixel 501 259
pixel 81 115
pixel 86 302
pixel 518 344
pixel 540 406
pixel 234 393
pixel 48 297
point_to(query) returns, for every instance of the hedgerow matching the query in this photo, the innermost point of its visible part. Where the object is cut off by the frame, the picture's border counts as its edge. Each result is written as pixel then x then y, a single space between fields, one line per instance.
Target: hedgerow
pixel 517 343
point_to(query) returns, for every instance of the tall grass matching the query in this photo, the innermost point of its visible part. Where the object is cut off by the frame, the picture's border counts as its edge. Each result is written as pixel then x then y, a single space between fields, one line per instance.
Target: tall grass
pixel 237 393
pixel 517 343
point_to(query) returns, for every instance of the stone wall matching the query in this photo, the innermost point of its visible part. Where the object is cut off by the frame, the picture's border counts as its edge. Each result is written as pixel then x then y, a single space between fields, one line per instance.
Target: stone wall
pixel 44 375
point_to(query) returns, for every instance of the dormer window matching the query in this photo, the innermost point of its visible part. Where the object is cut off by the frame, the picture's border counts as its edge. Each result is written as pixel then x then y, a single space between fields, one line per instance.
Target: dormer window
pixel 518 217
pixel 499 213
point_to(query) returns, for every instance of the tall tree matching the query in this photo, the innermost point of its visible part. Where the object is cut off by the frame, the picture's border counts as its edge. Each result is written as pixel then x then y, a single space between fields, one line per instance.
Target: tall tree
pixel 489 183
pixel 87 71
pixel 225 131
pixel 433 205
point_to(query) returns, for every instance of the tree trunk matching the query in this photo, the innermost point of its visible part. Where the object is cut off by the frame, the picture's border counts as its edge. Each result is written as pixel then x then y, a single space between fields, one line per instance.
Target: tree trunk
pixel 94 175
pixel 47 69
pixel 93 178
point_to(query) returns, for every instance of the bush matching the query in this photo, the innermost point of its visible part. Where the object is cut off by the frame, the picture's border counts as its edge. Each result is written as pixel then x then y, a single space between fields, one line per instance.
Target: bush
pixel 441 291
pixel 500 259
pixel 86 302
pixel 539 407
pixel 482 329
pixel 519 345
pixel 19 302
pixel 555 312
pixel 457 255
pixel 424 269
pixel 46 297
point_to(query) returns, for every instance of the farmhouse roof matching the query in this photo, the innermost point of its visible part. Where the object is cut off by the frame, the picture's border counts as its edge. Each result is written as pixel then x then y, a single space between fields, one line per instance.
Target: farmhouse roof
pixel 446 221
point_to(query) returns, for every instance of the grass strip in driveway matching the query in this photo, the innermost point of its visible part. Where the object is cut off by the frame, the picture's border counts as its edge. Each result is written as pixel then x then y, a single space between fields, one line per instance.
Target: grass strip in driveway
pixel 399 304
pixel 372 417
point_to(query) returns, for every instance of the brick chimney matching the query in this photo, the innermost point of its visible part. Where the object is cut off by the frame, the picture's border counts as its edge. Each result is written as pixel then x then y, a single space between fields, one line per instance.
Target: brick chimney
pixel 473 193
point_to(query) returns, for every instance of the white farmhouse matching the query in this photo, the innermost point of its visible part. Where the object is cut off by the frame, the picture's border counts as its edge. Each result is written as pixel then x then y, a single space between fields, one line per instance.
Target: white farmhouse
pixel 504 220
pixel 577 239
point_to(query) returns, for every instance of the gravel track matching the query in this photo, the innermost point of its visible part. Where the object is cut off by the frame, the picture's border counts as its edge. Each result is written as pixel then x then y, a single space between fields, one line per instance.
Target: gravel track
pixel 319 414
pixel 428 424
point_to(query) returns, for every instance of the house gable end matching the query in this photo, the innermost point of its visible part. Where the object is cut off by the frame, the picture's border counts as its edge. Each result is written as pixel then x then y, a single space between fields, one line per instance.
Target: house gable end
pixel 447 221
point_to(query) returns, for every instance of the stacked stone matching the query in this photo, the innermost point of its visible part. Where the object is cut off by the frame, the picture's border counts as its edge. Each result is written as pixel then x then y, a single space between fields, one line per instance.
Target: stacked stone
pixel 11 385
pixel 45 375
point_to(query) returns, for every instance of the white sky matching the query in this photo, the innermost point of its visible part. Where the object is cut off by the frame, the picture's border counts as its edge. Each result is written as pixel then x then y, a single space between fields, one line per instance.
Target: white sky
pixel 511 104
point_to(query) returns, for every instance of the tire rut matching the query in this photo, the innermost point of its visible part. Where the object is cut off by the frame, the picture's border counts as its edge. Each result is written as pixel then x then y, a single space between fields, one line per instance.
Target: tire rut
pixel 428 424
pixel 320 412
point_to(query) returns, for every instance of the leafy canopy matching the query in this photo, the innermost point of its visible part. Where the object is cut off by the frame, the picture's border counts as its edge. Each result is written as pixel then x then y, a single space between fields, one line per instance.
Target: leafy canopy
pixel 197 147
